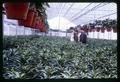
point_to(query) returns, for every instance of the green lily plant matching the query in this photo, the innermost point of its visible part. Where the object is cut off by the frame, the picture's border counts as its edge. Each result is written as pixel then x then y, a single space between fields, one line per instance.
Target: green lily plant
pixel 107 23
pixel 92 25
pixel 40 8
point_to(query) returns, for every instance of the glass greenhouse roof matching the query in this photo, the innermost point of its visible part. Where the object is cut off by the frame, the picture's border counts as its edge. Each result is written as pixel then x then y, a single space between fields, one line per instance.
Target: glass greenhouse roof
pixel 79 13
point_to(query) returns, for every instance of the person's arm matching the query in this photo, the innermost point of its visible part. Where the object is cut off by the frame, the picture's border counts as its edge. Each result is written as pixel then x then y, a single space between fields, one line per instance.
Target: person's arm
pixel 72 38
pixel 79 37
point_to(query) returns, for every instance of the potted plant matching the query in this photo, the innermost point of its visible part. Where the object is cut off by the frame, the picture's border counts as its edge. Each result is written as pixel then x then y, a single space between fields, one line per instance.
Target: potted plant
pixel 16 10
pixel 115 29
pixel 40 24
pixel 92 27
pixel 90 30
pixel 44 27
pixel 85 28
pixel 28 21
pixel 114 26
pixel 107 24
pixel 102 29
pixel 34 22
pixel 98 29
pixel 41 7
pixel 47 25
pixel 35 8
pixel 98 25
pixel 37 23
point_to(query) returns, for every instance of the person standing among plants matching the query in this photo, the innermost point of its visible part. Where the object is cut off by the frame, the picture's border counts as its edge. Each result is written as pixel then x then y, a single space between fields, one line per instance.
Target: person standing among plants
pixel 72 35
pixel 83 37
pixel 75 35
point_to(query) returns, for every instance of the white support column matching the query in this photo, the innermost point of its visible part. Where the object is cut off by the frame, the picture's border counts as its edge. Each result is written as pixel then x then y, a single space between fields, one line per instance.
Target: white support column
pixel 8 30
pixel 24 30
pixel 103 35
pixel 93 35
pixel 98 35
pixel 66 33
pixel 16 31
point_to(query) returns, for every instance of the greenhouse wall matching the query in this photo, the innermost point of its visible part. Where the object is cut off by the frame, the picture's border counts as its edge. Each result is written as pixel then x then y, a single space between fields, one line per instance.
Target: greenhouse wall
pixel 13 30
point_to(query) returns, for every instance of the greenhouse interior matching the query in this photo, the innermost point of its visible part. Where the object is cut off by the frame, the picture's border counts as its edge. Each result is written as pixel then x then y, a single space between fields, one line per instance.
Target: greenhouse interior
pixel 59 40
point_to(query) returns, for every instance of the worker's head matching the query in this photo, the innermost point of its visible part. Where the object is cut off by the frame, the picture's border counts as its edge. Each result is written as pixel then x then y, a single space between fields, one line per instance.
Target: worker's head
pixel 75 30
pixel 81 31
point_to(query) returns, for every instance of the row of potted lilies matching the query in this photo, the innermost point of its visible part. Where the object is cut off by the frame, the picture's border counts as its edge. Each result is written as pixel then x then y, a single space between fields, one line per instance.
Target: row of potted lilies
pixel 30 15
pixel 100 26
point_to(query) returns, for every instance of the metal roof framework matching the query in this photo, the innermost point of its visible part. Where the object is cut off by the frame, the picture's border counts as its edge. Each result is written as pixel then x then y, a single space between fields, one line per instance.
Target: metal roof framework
pixel 82 13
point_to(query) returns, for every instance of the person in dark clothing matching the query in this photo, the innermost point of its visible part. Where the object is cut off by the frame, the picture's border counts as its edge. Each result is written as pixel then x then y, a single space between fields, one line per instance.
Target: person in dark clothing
pixel 83 38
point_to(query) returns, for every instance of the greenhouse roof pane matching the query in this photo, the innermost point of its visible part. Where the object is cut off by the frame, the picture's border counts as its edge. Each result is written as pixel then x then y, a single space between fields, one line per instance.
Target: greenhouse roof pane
pixel 80 13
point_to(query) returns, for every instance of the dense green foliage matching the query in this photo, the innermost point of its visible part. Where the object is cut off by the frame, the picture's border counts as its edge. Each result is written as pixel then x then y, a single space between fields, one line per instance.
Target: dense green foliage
pixel 40 57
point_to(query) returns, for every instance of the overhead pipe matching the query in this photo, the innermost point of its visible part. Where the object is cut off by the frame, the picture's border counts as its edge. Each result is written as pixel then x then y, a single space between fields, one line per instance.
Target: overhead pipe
pixel 94 8
pixel 104 16
pixel 90 10
pixel 62 8
pixel 69 9
pixel 81 10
